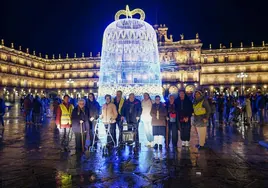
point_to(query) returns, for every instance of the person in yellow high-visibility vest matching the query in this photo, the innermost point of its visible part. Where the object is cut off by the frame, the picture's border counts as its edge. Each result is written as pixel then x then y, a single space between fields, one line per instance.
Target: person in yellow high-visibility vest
pixel 63 120
pixel 201 114
pixel 64 111
pixel 119 103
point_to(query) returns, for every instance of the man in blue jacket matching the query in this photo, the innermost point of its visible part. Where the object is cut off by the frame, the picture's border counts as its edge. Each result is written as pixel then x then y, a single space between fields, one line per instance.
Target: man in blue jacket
pixel 132 112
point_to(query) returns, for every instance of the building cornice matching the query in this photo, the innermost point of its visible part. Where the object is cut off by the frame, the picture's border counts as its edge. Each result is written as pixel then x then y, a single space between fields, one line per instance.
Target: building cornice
pixel 234 63
pixel 47 60
pixel 235 51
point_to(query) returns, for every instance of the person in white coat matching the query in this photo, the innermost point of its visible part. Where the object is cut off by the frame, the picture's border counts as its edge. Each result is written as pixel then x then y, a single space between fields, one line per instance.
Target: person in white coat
pixel 147 119
pixel 248 109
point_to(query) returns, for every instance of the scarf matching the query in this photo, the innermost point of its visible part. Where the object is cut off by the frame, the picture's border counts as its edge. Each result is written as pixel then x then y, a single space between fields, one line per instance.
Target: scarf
pixel 157 110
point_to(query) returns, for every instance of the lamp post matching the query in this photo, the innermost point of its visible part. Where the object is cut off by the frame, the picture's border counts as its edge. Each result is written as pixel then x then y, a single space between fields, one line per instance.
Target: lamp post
pixel 242 75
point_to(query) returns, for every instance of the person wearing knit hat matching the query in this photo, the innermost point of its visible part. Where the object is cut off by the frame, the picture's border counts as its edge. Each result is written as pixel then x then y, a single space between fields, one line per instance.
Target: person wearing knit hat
pixel 201 114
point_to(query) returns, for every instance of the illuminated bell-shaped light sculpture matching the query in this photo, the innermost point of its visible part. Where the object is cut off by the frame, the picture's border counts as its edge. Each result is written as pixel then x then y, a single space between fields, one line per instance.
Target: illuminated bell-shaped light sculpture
pixel 130 59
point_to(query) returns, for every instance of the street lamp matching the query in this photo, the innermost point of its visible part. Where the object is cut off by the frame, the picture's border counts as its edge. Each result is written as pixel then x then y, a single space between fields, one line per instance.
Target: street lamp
pixel 242 75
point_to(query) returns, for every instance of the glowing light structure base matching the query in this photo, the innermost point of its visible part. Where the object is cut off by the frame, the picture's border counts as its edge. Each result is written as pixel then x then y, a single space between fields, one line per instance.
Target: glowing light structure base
pixel 130 58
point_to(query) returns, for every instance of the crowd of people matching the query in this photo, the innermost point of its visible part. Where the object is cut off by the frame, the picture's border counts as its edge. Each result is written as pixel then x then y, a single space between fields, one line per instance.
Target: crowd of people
pixel 161 120
pixel 34 109
pixel 251 108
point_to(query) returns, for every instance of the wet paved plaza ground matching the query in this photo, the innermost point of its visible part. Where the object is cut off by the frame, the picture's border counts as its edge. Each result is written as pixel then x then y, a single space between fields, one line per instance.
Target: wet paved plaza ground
pixel 32 157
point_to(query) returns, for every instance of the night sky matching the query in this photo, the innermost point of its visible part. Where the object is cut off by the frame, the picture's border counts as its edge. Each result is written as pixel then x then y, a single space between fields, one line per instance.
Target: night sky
pixel 68 26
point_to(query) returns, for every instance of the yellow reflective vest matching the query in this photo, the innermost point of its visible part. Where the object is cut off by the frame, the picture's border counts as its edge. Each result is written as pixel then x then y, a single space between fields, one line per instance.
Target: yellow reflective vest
pixel 120 104
pixel 199 109
pixel 65 118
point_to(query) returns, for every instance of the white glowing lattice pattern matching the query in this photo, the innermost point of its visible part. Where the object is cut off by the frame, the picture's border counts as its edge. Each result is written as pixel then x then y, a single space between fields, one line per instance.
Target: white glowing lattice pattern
pixel 130 59
pixel 138 90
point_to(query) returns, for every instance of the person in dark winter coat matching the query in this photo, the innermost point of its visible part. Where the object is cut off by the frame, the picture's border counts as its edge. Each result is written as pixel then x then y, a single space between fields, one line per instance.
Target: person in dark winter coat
pixel 260 105
pixel 94 108
pixel 37 110
pixel 80 124
pixel 132 112
pixel 21 102
pixel 28 108
pixel 185 111
pixel 172 121
pixel 212 105
pixel 254 107
pixel 132 109
pixel 220 108
pixel 159 116
pixel 227 107
pixel 2 111
pixel 94 111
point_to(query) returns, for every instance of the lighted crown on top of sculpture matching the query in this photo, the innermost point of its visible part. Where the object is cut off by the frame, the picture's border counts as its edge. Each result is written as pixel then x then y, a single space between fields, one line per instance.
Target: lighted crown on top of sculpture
pixel 130 59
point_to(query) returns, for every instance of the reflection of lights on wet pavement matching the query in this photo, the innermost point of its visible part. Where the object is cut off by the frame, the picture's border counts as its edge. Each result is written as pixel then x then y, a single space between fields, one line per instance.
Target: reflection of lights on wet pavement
pixel 243 130
pixel 63 179
pixel 234 147
pixel 102 136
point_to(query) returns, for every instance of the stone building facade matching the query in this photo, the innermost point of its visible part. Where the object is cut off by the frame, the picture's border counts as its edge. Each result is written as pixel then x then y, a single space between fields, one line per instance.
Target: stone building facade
pixel 184 65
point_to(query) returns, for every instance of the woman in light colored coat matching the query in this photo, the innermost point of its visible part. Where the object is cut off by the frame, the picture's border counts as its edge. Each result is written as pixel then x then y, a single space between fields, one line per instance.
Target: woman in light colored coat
pixel 146 118
pixel 108 116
